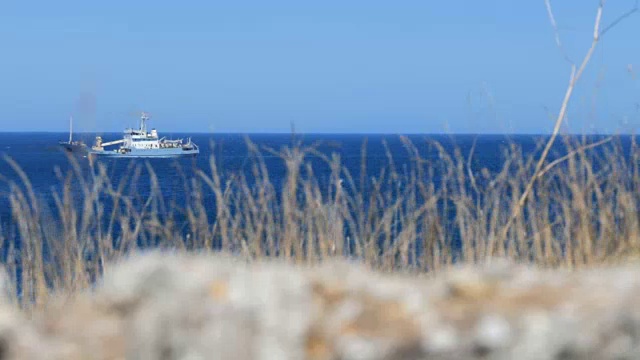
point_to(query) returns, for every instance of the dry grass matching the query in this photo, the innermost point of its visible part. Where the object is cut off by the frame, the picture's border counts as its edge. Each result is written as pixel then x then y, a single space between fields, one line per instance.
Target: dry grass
pixel 419 218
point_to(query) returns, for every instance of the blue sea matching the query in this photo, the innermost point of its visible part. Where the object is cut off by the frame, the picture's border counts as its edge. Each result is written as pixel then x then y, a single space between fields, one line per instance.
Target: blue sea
pixel 365 159
pixel 39 155
pixel 41 159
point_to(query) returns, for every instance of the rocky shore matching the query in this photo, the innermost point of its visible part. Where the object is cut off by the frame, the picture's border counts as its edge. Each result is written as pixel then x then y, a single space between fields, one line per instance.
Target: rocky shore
pixel 161 306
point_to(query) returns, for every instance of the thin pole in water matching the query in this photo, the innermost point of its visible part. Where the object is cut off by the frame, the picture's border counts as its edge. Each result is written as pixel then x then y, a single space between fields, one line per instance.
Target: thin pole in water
pixel 70 128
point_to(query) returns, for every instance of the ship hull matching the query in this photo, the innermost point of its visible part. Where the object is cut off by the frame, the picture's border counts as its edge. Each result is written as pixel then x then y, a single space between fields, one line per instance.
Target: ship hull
pixel 74 148
pixel 146 153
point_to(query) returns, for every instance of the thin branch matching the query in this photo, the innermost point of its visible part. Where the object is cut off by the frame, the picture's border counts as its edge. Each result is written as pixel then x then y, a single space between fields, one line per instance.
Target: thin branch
pixel 575 76
pixel 556 32
pixel 571 154
pixel 633 10
pixel 596 28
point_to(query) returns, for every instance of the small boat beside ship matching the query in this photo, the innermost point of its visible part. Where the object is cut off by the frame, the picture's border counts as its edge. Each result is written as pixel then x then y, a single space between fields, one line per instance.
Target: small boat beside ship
pixel 141 143
pixel 77 146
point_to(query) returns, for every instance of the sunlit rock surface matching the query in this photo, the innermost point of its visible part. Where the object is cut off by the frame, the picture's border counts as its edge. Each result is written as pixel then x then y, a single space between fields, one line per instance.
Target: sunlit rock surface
pixel 159 306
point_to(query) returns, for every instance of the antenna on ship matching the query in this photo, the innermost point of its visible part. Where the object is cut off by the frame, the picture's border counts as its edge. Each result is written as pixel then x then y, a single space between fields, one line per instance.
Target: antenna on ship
pixel 143 119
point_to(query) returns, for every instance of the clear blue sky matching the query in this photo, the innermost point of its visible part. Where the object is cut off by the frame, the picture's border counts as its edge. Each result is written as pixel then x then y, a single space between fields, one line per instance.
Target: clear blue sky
pixel 413 66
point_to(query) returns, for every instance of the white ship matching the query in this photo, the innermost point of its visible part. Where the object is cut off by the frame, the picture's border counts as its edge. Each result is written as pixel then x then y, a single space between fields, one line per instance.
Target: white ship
pixel 140 143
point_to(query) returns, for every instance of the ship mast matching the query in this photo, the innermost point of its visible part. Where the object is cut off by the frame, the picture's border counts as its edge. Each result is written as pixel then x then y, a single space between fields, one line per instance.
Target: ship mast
pixel 143 119
pixel 70 129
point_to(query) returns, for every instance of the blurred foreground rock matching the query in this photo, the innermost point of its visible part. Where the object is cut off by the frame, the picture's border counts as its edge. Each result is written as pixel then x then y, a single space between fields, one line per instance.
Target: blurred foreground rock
pixel 210 307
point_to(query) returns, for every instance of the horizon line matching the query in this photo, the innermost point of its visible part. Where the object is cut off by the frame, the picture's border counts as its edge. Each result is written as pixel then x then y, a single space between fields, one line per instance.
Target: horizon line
pixel 335 133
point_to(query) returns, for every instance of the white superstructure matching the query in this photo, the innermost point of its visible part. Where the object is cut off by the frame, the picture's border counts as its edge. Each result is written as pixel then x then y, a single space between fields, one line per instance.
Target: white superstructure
pixel 141 143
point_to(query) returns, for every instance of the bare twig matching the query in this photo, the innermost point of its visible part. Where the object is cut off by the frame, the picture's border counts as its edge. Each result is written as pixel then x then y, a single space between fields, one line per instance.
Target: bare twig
pixel 557 161
pixel 631 11
pixel 576 73
pixel 556 32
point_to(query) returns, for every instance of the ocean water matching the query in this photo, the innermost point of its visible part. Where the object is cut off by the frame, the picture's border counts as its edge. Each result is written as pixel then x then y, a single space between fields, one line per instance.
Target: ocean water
pixel 39 156
pixel 41 159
